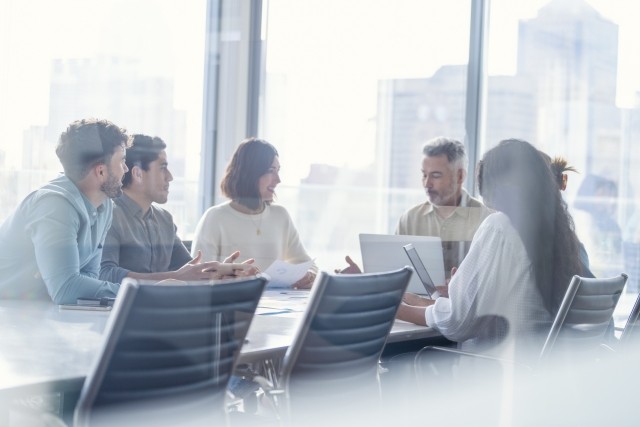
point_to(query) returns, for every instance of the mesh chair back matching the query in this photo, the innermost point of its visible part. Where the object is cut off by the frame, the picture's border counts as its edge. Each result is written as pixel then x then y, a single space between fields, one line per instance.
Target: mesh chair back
pixel 585 313
pixel 344 330
pixel 169 350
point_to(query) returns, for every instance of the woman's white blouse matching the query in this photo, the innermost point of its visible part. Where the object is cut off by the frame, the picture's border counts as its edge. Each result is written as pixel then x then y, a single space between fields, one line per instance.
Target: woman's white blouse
pixel 493 299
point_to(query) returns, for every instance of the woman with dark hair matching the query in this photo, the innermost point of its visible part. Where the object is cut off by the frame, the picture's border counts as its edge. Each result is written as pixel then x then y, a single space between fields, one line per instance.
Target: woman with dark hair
pixel 559 165
pixel 508 288
pixel 249 222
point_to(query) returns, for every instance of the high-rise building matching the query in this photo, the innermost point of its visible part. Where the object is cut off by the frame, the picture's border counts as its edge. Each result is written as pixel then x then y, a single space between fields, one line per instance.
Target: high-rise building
pixel 562 97
pixel 115 88
pixel 569 52
pixel 411 111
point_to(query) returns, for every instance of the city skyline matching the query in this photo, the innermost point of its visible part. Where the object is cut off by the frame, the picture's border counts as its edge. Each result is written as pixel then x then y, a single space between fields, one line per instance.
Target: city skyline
pixel 164 10
pixel 332 120
pixel 562 98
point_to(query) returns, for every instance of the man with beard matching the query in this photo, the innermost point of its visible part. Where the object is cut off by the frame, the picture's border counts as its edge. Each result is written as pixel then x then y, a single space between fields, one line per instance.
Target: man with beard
pixel 450 212
pixel 142 242
pixel 51 246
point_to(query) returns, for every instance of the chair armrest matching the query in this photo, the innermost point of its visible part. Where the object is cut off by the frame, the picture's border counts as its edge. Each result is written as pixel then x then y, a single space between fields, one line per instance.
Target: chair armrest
pixel 456 352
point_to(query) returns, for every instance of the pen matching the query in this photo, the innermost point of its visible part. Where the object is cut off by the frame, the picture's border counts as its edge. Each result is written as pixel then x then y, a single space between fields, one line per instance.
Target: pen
pixel 274 308
pixel 275 312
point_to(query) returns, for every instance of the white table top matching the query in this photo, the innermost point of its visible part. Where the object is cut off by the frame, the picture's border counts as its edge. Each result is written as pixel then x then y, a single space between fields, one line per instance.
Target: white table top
pixel 43 347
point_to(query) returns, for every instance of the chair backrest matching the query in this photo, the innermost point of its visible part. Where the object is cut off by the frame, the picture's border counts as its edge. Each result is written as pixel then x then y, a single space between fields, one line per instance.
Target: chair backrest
pixel 630 328
pixel 169 352
pixel 342 334
pixel 585 313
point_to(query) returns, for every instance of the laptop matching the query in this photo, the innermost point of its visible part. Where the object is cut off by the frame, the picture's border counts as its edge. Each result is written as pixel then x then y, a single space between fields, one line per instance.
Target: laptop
pixel 384 252
pixel 421 271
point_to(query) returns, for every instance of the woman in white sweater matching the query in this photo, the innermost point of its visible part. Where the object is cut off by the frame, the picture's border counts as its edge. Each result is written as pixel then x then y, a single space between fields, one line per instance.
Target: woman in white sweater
pixel 249 222
pixel 510 285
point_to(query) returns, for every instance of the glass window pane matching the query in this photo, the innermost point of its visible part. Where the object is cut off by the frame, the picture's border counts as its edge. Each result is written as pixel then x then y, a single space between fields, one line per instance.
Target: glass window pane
pixel 565 75
pixel 352 91
pixel 139 64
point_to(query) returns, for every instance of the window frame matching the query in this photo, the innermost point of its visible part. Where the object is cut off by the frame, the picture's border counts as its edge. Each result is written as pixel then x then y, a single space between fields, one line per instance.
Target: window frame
pixel 240 69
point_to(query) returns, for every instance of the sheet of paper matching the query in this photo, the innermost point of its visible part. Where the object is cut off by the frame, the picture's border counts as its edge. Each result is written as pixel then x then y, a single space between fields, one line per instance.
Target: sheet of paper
pixel 283 302
pixel 283 275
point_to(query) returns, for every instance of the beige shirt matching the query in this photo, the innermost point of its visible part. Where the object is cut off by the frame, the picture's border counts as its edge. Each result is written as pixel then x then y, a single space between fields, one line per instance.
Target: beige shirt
pixel 265 237
pixel 456 231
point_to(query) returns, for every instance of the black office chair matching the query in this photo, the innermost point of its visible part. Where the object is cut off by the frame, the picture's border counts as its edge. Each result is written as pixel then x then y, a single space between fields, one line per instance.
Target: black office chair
pixel 168 354
pixel 332 364
pixel 585 314
pixel 581 324
pixel 629 334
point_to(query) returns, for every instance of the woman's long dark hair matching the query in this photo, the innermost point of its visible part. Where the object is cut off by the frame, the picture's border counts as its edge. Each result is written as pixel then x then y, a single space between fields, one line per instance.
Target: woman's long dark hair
pixel 514 178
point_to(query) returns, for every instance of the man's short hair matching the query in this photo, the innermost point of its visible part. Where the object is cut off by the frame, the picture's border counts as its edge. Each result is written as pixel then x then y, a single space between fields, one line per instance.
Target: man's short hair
pixel 144 150
pixel 86 143
pixel 452 148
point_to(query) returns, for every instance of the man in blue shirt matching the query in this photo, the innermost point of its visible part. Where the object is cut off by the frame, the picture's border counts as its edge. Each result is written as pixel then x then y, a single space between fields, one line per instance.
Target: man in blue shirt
pixel 142 242
pixel 51 246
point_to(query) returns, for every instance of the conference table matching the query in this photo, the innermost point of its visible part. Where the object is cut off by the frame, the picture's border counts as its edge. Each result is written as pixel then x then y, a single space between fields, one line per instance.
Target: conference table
pixel 45 349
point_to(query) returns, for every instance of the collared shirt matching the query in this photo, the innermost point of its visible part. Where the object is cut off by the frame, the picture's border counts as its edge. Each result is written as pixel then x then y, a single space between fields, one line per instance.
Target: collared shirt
pixel 51 246
pixel 456 231
pixel 141 242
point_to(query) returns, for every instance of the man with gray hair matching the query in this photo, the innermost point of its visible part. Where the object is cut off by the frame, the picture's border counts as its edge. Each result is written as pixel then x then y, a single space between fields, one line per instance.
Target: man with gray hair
pixel 450 212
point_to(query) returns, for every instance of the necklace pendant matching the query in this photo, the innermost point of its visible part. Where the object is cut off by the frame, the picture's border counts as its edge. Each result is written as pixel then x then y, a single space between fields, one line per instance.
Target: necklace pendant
pixel 258 232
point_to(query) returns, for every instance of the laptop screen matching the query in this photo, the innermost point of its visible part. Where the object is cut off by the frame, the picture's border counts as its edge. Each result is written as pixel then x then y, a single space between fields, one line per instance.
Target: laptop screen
pixel 421 270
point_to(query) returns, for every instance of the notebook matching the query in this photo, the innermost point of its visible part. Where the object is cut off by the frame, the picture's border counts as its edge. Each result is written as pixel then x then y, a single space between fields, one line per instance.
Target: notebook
pixel 384 252
pixel 421 271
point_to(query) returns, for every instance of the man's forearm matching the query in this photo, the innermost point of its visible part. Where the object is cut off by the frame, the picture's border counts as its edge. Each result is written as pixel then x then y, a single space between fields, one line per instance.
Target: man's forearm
pixel 413 314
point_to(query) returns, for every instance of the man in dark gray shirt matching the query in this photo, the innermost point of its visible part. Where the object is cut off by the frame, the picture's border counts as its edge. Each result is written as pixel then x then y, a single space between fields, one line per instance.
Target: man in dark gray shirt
pixel 142 242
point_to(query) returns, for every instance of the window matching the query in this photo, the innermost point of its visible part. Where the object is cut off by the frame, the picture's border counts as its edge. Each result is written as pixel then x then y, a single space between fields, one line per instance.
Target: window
pixel 565 75
pixel 352 90
pixel 139 64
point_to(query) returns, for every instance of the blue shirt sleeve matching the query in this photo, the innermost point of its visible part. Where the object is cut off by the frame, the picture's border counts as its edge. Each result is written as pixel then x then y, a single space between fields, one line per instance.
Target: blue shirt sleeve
pixel 54 230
